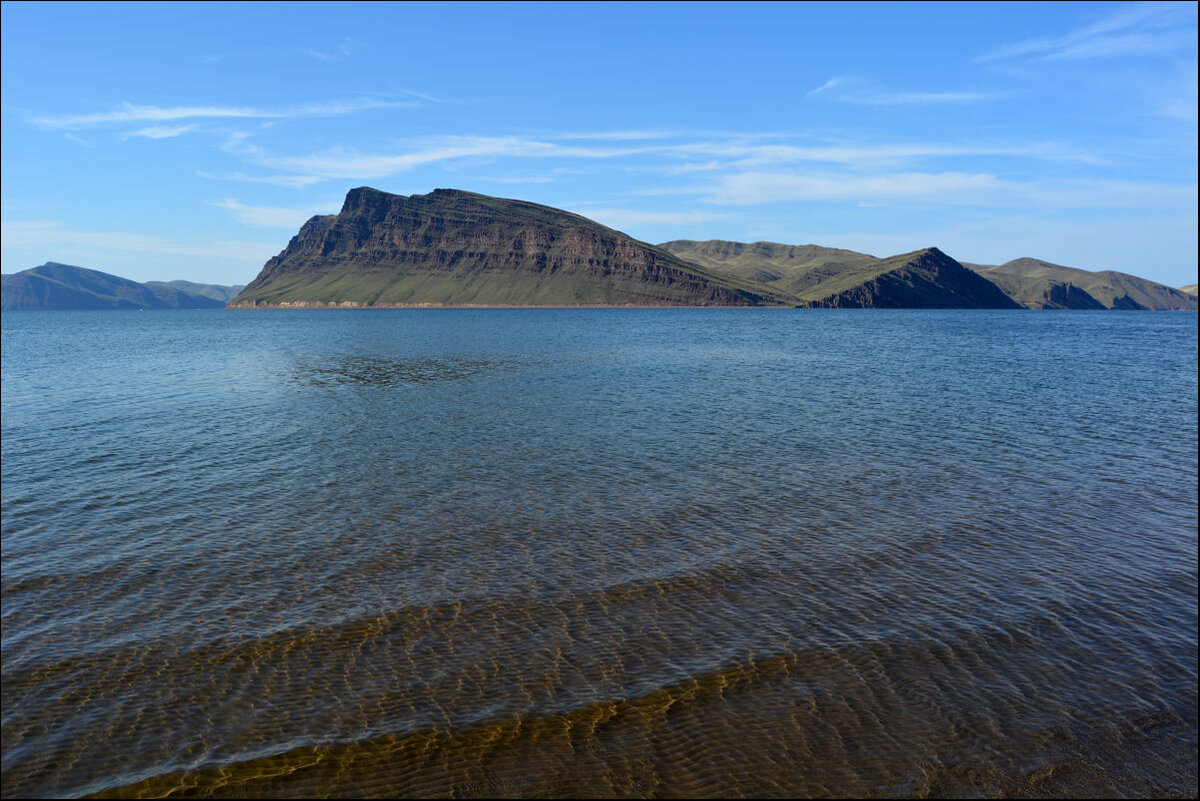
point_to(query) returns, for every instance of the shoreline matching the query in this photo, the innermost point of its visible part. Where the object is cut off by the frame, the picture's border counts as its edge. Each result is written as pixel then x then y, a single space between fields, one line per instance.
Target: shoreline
pixel 307 304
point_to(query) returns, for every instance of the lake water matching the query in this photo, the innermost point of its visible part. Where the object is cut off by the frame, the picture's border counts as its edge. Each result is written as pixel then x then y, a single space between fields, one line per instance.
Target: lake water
pixel 603 552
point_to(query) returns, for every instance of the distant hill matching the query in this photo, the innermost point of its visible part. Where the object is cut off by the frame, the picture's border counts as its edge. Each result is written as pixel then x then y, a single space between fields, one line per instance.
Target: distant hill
pixel 1191 289
pixel 790 268
pixel 829 277
pixel 55 286
pixel 215 291
pixel 810 272
pixel 1039 284
pixel 459 248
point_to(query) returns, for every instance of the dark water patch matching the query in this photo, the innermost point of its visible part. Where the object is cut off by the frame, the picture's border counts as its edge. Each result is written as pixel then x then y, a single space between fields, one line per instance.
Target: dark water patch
pixel 375 371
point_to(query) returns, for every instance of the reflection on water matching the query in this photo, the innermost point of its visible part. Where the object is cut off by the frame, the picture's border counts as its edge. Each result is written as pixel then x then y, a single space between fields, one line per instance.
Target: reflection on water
pixel 696 553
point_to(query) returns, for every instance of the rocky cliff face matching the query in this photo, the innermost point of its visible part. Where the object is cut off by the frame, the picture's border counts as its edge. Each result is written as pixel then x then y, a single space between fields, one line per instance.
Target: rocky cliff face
pixel 1069 296
pixel 459 248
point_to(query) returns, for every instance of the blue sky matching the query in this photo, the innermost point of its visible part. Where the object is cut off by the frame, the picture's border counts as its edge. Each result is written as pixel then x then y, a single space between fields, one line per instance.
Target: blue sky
pixel 192 140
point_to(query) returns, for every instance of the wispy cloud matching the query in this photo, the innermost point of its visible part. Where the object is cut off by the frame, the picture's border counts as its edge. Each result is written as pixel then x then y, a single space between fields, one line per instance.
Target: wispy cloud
pixel 162 131
pixel 743 154
pixel 52 234
pixel 716 155
pixel 274 216
pixel 520 179
pixel 832 83
pixel 343 51
pixel 947 188
pixel 290 181
pixel 847 89
pixel 340 163
pixel 622 218
pixel 133 113
pixel 617 136
pixel 1154 29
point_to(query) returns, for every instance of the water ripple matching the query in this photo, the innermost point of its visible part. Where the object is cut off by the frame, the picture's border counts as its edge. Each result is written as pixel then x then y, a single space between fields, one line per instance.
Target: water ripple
pixel 599 553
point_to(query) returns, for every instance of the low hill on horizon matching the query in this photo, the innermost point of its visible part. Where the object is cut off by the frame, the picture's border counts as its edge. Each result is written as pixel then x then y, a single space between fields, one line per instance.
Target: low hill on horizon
pixel 834 278
pixel 1031 283
pixel 217 292
pixel 61 287
pixel 1039 284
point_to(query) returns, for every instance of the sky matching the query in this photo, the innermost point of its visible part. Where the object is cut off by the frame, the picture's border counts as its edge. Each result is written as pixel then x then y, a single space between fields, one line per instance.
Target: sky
pixel 191 141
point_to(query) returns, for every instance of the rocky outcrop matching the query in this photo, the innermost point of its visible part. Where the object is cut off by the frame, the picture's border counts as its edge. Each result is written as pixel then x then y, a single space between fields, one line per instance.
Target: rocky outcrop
pixel 1069 296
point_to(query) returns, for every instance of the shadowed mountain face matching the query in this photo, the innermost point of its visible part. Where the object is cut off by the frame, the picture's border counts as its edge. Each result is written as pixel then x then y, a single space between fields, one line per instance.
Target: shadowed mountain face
pixel 54 286
pixel 833 278
pixel 924 279
pixel 460 248
pixel 1041 285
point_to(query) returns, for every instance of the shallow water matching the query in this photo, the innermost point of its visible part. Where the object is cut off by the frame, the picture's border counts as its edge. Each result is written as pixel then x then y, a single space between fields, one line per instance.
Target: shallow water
pixel 599 552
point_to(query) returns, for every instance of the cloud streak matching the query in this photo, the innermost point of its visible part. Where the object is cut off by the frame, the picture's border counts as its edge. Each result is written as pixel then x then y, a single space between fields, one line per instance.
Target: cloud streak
pixel 52 234
pixel 344 50
pixel 274 216
pixel 162 131
pixel 672 157
pixel 946 188
pixel 340 163
pixel 1148 29
pixel 846 89
pixel 133 113
pixel 622 218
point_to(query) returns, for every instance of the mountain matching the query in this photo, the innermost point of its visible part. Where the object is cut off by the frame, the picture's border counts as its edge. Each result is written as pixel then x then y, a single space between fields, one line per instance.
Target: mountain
pixel 217 292
pixel 1039 284
pixel 833 278
pixel 1191 289
pixel 55 286
pixel 459 248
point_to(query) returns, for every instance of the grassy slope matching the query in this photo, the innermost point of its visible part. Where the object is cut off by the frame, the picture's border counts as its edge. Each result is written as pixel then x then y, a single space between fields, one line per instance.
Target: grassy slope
pixel 1027 280
pixel 792 269
pixel 1191 289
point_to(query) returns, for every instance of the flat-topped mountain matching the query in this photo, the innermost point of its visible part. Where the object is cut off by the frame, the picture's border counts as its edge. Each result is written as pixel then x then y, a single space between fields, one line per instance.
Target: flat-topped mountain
pixel 459 248
pixel 55 286
pixel 834 278
pixel 1039 284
